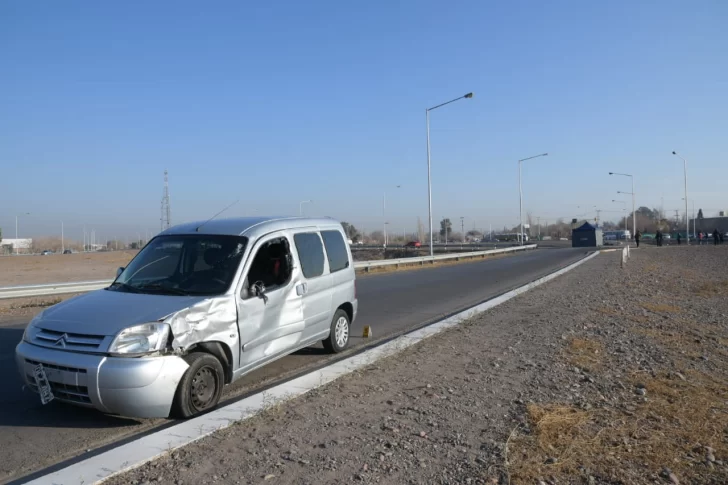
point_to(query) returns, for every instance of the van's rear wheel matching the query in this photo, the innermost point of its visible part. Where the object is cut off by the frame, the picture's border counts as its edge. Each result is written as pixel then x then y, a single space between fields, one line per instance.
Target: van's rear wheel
pixel 201 386
pixel 339 334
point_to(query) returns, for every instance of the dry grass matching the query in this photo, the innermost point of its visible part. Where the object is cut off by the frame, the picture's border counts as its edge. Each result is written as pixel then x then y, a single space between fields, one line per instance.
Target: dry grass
pixel 607 311
pixel 671 429
pixel 35 303
pixel 660 308
pixel 586 354
pixel 711 290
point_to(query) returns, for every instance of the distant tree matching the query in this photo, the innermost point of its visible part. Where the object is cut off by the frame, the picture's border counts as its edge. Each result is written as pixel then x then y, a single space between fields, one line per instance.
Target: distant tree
pixel 445 228
pixel 377 237
pixel 351 231
pixel 700 214
pixel 420 231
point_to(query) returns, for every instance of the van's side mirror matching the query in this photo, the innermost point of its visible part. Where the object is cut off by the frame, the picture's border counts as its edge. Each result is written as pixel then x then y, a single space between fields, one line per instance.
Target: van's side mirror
pixel 258 289
pixel 119 271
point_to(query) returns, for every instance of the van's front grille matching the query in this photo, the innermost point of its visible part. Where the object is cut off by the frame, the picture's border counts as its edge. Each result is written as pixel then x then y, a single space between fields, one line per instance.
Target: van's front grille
pixel 56 367
pixel 65 392
pixel 62 340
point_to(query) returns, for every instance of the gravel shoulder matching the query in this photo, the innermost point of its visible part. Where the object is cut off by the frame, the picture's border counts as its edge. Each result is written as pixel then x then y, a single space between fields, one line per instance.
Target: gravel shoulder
pixel 604 375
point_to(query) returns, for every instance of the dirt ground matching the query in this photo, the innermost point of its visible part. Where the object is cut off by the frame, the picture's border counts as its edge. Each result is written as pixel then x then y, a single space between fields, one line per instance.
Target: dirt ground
pixel 603 376
pixel 61 268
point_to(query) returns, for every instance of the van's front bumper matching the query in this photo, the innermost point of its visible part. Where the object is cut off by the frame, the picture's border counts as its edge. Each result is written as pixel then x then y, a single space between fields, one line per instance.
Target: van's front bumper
pixel 138 387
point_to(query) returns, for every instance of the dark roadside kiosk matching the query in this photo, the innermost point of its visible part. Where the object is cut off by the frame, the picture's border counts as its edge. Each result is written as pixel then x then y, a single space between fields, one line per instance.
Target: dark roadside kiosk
pixel 587 236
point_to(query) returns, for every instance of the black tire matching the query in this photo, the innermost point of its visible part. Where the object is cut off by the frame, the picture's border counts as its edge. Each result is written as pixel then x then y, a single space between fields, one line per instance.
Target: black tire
pixel 201 386
pixel 331 344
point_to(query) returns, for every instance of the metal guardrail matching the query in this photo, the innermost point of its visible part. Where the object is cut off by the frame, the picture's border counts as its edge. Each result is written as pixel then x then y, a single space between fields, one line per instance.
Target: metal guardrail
pixel 84 286
pixel 432 259
pixel 52 289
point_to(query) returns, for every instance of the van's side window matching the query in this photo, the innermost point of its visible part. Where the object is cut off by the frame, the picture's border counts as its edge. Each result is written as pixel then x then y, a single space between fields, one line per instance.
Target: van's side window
pixel 310 253
pixel 272 265
pixel 336 250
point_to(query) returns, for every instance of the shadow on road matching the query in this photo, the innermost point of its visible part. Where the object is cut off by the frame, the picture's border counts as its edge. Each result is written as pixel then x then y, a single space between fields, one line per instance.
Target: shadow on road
pixel 22 408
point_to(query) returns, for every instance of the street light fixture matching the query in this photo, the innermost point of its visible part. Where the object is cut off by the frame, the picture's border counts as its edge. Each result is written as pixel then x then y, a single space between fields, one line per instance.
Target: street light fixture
pixel 300 206
pixel 685 170
pixel 429 178
pixel 634 213
pixel 520 190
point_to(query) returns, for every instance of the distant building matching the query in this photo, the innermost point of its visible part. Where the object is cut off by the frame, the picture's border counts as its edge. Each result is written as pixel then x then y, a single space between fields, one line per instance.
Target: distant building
pixel 16 245
pixel 710 224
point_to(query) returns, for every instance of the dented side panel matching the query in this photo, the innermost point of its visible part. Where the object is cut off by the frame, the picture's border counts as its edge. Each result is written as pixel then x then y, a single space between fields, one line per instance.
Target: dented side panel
pixel 211 320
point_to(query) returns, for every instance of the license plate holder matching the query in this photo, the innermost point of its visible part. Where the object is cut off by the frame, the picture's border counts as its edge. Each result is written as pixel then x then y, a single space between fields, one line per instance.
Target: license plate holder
pixel 44 387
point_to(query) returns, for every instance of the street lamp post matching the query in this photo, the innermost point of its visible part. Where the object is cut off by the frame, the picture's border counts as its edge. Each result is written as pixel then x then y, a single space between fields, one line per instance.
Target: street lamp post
pixel 300 206
pixel 63 245
pixel 625 209
pixel 384 206
pixel 16 229
pixel 462 227
pixel 685 170
pixel 693 213
pixel 429 177
pixel 634 224
pixel 520 191
pixel 634 213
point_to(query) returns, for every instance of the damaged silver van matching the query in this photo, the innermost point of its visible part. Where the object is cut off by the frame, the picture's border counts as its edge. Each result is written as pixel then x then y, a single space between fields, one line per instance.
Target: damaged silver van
pixel 200 306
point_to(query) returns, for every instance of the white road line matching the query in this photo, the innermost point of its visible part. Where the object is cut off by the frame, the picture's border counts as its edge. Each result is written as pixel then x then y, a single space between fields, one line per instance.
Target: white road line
pixel 138 452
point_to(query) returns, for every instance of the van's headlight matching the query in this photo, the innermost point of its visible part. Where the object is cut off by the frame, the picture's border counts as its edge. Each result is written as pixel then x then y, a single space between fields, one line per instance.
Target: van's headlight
pixel 141 339
pixel 28 333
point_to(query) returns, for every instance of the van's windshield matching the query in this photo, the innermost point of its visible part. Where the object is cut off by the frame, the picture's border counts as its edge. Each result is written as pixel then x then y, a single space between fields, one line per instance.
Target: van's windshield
pixel 183 265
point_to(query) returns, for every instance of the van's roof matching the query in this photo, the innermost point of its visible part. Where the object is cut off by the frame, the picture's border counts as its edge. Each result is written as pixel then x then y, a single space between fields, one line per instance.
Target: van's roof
pixel 252 227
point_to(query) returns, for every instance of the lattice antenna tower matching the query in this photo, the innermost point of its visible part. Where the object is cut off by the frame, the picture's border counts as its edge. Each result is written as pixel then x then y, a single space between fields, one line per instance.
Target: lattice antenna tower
pixel 166 218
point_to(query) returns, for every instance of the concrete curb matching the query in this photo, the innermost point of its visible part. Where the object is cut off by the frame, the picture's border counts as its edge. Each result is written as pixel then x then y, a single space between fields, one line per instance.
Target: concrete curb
pixel 136 453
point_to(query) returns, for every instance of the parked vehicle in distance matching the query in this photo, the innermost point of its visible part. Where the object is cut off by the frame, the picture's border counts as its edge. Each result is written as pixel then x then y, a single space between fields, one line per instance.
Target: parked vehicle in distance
pixel 67 251
pixel 617 235
pixel 201 305
pixel 413 244
pixel 46 252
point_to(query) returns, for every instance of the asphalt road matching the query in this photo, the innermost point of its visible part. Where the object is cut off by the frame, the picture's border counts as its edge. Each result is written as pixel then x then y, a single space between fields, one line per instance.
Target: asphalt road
pixel 33 437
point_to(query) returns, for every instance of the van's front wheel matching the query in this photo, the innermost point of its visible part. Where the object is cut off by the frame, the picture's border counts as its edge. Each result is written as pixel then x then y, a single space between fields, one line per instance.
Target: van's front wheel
pixel 201 386
pixel 339 334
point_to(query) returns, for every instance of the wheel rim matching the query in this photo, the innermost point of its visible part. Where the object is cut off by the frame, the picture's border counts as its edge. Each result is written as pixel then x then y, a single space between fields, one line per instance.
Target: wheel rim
pixel 203 388
pixel 342 331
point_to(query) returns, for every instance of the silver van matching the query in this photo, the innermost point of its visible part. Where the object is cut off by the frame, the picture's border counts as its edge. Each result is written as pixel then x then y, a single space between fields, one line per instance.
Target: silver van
pixel 201 305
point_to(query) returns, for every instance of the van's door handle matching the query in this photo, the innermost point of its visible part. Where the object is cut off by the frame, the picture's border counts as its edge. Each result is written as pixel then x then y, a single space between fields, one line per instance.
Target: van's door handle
pixel 302 289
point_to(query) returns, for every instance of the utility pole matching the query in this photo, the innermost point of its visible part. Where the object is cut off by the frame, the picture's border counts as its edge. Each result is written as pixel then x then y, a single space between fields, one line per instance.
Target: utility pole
pixel 538 219
pixel 462 226
pixel 166 217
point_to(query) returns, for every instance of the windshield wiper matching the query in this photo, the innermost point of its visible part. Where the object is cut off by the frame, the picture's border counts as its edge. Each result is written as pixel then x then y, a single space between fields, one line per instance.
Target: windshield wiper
pixel 118 284
pixel 161 288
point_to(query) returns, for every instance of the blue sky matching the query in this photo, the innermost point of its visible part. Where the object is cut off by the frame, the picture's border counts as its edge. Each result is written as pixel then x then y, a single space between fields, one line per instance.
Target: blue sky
pixel 278 102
